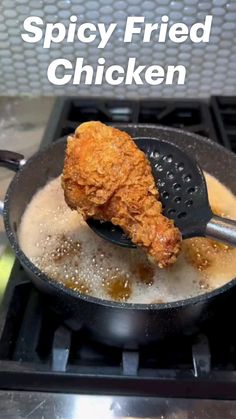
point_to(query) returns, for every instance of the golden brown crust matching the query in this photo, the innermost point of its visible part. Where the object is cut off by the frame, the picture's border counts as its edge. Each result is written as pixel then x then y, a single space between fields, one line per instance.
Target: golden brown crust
pixel 107 177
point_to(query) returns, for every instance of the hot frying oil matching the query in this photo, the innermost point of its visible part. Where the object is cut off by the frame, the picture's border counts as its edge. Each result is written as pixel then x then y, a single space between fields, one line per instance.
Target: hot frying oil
pixel 62 245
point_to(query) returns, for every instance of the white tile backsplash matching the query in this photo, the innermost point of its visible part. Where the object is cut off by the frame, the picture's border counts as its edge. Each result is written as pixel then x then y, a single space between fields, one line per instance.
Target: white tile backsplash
pixel 211 68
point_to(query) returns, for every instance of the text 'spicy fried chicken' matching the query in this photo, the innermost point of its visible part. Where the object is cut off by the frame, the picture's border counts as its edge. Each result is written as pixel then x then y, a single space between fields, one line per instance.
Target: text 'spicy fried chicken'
pixel 107 177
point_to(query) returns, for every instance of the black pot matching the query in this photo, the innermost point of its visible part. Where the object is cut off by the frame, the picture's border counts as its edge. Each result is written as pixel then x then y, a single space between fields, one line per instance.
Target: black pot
pixel 115 323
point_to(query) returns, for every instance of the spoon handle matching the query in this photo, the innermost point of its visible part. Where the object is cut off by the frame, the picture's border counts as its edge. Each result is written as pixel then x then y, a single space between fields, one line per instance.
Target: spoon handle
pixel 221 229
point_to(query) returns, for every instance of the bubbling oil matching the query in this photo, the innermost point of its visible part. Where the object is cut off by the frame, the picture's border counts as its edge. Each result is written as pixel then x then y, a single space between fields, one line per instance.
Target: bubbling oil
pixel 59 242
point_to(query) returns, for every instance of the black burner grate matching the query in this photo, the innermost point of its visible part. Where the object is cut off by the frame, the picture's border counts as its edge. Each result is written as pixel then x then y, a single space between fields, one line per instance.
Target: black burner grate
pixel 190 115
pixel 38 352
pixel 224 114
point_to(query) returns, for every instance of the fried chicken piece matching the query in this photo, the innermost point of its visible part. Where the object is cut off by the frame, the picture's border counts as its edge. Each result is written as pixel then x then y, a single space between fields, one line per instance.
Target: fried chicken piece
pixel 107 177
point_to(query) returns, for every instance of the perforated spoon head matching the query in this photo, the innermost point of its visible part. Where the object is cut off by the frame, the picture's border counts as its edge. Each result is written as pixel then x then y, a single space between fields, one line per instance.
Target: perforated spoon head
pixel 182 190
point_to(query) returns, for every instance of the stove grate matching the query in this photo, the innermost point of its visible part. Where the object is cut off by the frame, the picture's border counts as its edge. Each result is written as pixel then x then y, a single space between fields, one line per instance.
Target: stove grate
pixel 224 114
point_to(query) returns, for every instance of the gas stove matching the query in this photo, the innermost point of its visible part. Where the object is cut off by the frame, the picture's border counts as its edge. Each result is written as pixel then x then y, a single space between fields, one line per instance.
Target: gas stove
pixel 39 353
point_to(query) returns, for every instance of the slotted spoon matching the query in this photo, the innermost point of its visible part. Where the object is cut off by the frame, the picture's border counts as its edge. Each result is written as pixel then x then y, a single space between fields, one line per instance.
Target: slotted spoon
pixel 183 194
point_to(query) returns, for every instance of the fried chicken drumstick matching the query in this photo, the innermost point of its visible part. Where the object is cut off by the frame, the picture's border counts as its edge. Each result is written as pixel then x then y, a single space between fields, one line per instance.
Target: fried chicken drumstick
pixel 107 177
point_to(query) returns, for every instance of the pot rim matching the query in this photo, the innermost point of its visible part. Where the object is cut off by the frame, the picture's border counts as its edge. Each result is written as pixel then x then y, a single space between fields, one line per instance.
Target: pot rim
pixel 200 299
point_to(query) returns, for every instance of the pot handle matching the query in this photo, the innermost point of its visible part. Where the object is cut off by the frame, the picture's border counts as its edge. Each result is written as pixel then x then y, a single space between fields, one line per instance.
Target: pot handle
pixel 13 161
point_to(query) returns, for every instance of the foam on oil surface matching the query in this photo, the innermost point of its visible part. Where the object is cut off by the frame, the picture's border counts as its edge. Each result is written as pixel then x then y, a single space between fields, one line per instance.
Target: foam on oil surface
pixel 60 243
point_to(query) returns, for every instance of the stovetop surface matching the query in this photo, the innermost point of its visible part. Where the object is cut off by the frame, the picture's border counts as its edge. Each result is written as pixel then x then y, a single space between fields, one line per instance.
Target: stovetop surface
pixel 39 352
